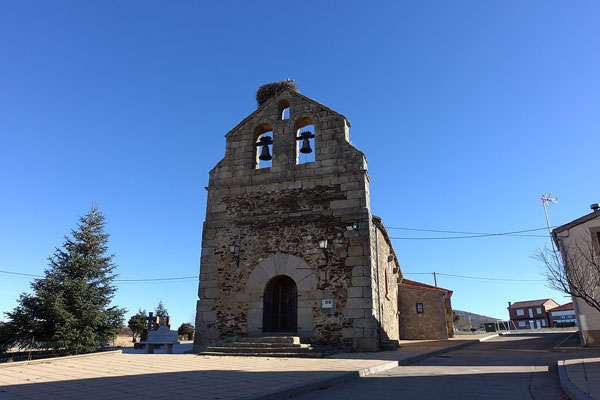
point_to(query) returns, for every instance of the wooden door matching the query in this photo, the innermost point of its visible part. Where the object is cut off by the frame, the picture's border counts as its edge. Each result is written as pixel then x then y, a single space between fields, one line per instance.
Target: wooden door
pixel 280 305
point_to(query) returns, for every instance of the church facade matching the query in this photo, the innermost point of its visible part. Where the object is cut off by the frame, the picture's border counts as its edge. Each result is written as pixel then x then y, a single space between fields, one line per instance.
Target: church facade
pixel 289 245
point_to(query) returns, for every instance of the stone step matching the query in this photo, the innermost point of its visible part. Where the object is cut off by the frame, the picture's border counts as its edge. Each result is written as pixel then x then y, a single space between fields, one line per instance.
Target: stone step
pixel 271 339
pixel 389 345
pixel 282 355
pixel 224 349
pixel 265 345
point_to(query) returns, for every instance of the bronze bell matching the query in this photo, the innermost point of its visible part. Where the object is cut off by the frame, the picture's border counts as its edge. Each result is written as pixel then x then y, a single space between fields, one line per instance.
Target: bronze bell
pixel 305 147
pixel 304 136
pixel 265 155
pixel 265 141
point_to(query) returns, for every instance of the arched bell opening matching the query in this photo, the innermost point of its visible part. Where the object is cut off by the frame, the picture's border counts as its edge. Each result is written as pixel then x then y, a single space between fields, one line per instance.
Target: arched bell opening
pixel 284 109
pixel 264 146
pixel 280 305
pixel 305 140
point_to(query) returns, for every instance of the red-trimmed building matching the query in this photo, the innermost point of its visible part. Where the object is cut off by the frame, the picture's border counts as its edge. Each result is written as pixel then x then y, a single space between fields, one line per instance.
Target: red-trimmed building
pixel 531 314
pixel 425 311
pixel 563 316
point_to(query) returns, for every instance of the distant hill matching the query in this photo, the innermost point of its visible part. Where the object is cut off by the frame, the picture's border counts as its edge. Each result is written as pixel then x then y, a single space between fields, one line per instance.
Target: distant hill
pixel 475 319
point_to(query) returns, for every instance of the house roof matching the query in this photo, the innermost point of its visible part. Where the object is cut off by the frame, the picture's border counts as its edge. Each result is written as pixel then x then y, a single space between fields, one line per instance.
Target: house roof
pixel 293 93
pixel 564 307
pixel 420 285
pixel 580 220
pixel 531 303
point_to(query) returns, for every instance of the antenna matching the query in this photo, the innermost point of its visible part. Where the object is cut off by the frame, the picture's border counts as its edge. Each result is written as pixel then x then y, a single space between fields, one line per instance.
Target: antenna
pixel 547 198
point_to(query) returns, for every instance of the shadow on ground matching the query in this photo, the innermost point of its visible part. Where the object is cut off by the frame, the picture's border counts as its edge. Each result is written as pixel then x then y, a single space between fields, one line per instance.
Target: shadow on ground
pixel 216 385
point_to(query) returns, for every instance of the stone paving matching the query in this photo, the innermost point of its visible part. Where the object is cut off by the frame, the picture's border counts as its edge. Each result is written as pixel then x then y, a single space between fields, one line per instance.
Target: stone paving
pixel 116 375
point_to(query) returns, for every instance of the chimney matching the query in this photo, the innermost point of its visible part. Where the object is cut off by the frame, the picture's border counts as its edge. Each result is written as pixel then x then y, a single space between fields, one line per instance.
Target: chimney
pixel 595 207
pixel 509 304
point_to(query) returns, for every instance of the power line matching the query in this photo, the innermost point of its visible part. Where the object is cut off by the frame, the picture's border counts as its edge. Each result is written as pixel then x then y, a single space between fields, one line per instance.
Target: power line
pixel 470 235
pixel 462 232
pixel 181 278
pixel 178 278
pixel 492 279
pixel 21 274
pixel 463 237
pixel 475 277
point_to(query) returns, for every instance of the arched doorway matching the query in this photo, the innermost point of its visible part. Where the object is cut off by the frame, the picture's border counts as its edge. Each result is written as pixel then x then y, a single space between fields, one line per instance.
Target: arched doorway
pixel 280 305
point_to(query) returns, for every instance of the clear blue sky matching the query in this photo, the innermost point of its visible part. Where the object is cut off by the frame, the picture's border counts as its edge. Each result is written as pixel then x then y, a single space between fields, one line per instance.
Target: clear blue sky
pixel 468 111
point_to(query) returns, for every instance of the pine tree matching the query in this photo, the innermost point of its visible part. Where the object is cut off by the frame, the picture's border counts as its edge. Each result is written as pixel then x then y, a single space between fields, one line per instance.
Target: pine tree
pixel 70 306
pixel 162 313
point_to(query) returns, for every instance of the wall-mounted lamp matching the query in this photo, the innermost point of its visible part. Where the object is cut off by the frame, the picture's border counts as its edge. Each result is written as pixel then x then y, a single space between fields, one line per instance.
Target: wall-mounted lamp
pixel 352 226
pixel 234 249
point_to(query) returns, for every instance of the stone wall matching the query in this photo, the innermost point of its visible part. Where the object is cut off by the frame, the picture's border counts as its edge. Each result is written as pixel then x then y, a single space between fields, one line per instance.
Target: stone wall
pixel 277 215
pixel 432 323
pixel 385 286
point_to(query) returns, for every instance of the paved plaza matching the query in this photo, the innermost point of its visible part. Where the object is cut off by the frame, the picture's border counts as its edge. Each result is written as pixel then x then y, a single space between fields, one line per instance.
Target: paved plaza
pixel 117 375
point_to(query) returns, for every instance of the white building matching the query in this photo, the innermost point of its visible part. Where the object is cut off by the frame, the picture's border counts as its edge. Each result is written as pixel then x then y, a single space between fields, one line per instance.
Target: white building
pixel 563 316
pixel 574 238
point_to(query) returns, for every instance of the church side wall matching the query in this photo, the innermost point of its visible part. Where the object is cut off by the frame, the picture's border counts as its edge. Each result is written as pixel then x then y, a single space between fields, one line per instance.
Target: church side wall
pixel 387 296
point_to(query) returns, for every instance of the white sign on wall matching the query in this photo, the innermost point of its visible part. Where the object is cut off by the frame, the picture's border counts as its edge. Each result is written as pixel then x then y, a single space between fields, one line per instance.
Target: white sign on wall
pixel 327 303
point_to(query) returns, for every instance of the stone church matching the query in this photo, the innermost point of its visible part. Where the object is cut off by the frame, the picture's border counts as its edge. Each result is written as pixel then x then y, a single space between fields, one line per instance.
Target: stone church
pixel 289 244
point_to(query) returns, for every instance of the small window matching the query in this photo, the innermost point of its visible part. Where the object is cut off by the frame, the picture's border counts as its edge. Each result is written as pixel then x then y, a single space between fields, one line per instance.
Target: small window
pixel 386 283
pixel 538 310
pixel 595 239
pixel 543 322
pixel 420 308
pixel 520 312
pixel 284 109
pixel 522 324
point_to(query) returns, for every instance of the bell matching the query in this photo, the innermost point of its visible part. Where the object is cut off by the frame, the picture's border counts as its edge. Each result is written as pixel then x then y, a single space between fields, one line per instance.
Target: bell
pixel 305 146
pixel 264 142
pixel 304 136
pixel 265 155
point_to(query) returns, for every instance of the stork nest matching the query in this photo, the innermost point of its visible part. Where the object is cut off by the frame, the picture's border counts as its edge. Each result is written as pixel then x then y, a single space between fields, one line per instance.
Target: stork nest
pixel 268 90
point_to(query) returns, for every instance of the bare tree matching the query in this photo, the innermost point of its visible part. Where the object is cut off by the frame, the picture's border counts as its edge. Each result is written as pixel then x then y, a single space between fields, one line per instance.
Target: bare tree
pixel 575 271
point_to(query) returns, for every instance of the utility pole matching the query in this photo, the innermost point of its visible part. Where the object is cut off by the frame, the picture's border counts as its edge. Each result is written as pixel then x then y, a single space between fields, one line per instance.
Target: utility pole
pixel 547 198
pixel 435 279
